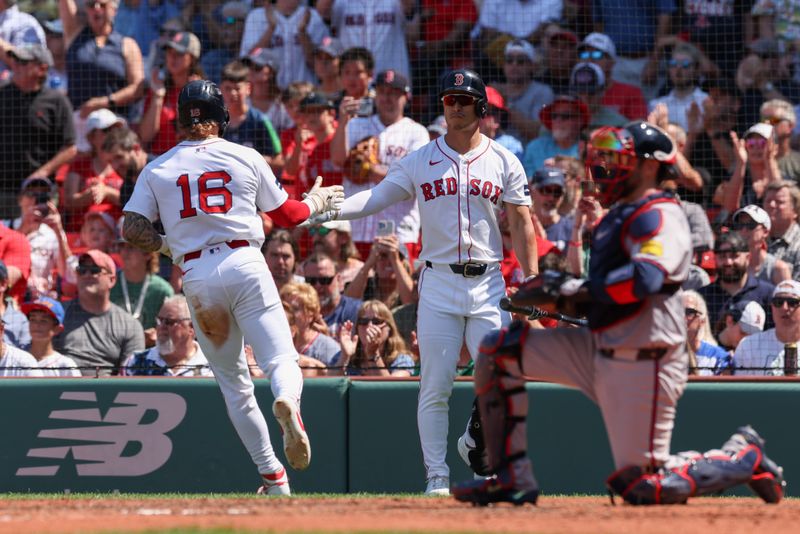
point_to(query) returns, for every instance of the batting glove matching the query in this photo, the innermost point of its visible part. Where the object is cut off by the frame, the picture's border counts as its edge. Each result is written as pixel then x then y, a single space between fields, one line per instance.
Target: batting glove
pixel 323 199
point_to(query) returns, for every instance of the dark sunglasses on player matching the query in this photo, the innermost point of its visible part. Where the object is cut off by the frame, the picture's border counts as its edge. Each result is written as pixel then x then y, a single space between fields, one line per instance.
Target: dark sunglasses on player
pixel 793 303
pixel 461 100
pixel 319 280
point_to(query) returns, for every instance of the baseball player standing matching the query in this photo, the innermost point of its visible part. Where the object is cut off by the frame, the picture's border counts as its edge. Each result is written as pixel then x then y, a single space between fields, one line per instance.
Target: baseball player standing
pixel 461 182
pixel 631 360
pixel 206 192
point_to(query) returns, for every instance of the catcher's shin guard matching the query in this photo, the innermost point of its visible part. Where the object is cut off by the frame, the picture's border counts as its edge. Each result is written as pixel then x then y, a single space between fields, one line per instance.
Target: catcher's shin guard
pixel 503 405
pixel 704 475
pixel 767 481
pixel 502 399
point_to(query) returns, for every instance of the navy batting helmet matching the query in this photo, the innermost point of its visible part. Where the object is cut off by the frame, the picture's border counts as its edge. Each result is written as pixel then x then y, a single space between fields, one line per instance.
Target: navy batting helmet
pixel 467 82
pixel 201 101
pixel 612 155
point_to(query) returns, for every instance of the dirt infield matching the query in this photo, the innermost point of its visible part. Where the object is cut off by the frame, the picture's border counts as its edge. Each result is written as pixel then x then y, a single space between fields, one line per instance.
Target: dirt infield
pixel 398 514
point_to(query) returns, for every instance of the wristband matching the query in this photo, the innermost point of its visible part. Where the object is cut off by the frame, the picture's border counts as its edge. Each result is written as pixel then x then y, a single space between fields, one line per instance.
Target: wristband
pixel 110 98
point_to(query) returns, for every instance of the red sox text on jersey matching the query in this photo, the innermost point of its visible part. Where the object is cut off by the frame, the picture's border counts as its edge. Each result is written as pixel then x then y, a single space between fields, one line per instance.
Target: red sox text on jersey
pixel 449 186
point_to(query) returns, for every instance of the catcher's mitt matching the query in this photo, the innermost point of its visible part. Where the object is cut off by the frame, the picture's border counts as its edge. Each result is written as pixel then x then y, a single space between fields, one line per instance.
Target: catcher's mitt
pixel 362 158
pixel 544 289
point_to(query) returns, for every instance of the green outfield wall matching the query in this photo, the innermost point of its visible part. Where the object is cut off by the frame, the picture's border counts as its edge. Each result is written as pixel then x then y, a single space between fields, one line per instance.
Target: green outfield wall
pixel 173 435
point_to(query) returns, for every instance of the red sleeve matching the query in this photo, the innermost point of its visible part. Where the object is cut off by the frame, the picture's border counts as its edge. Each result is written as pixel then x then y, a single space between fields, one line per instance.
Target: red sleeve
pixel 290 213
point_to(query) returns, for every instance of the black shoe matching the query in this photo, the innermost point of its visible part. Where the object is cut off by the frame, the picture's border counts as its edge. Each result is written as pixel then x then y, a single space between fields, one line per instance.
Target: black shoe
pixel 497 488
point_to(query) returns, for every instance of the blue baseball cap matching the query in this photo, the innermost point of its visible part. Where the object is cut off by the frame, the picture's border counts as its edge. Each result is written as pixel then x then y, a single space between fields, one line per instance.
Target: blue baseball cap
pixel 548 176
pixel 45 304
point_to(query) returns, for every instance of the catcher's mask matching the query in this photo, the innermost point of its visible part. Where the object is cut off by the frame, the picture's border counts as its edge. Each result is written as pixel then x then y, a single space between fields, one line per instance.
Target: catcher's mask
pixel 612 156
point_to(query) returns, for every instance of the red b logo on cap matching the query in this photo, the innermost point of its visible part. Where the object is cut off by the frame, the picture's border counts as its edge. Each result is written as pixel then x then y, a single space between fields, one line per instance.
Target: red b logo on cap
pixel 459 79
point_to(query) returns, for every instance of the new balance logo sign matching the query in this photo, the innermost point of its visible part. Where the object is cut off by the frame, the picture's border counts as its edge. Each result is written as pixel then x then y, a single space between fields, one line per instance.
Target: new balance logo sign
pixel 103 449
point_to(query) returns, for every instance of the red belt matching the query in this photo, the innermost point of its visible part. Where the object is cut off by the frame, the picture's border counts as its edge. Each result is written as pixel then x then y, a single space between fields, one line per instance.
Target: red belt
pixel 237 243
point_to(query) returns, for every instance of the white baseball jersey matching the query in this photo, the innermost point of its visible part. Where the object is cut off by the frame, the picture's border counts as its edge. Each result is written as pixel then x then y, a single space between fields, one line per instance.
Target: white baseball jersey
pixel 759 354
pixel 285 42
pixel 378 26
pixel 205 193
pixel 59 365
pixel 17 362
pixel 460 196
pixel 395 142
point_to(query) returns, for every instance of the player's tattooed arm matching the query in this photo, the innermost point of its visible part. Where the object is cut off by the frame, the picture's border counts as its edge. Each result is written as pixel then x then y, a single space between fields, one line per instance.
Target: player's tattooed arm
pixel 139 232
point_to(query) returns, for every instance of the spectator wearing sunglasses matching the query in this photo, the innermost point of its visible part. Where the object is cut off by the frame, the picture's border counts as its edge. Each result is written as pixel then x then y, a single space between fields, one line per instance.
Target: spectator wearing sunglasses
pixel 755 167
pixel 333 238
pixel 375 347
pixel 548 186
pixel 781 115
pixel 683 75
pixel 98 334
pixel 17 28
pixel 588 83
pixel 320 272
pixel 176 353
pixel 754 224
pixel 598 48
pixel 762 353
pixel 523 95
pixel 705 356
pixel 733 284
pixel 564 119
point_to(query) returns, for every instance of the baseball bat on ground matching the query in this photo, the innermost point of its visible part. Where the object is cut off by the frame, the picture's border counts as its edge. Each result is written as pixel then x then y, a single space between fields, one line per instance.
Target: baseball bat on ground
pixel 537 313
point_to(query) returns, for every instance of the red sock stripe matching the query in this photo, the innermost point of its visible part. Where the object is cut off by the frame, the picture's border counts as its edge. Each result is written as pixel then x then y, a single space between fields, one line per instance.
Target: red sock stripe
pixel 272 478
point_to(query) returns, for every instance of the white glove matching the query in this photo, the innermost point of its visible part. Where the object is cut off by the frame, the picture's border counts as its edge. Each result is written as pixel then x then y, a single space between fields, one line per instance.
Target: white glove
pixel 571 287
pixel 164 249
pixel 323 199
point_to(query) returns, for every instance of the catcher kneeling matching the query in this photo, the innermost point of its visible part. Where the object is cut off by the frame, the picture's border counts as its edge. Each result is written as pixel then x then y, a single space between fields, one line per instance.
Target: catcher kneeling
pixel 631 359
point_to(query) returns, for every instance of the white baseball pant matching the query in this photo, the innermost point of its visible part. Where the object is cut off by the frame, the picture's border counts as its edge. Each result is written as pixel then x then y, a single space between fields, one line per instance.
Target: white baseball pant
pixel 452 310
pixel 232 297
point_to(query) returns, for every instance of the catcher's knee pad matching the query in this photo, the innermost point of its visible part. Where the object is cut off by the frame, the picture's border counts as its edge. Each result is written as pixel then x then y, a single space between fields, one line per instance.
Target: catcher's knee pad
pixel 637 486
pixel 502 399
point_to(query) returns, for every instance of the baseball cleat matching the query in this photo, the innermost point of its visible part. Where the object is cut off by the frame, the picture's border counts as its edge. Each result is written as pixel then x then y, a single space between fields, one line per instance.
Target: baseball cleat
pixel 767 482
pixel 438 486
pixel 275 484
pixel 497 488
pixel 295 440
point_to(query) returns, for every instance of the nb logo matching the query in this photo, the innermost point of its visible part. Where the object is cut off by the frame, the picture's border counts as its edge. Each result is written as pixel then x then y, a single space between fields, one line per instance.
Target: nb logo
pixel 101 445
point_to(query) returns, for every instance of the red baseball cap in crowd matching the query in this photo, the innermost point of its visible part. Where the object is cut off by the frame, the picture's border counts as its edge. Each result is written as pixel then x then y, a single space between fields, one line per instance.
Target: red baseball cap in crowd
pixel 99 258
pixel 545 115
pixel 495 99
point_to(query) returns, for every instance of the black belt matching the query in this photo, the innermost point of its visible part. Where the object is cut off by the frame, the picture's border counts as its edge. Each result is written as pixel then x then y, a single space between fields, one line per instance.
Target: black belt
pixel 642 354
pixel 467 270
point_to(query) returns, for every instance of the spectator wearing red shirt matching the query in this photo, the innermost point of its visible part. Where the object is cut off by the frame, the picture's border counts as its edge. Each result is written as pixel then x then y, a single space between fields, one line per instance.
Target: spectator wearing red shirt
pixel 15 252
pixel 319 116
pixel 91 183
pixel 293 175
pixel 627 99
pixel 181 65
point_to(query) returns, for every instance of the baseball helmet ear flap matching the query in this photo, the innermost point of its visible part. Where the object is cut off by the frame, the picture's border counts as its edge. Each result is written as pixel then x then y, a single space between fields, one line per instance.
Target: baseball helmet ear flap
pixel 481 107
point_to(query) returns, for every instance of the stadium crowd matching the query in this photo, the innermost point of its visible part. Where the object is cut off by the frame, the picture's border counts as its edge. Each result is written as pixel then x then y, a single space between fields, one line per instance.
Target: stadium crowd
pixel 342 89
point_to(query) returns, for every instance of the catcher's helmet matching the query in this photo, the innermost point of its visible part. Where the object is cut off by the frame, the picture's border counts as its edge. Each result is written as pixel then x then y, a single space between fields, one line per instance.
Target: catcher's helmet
pixel 468 82
pixel 201 101
pixel 612 155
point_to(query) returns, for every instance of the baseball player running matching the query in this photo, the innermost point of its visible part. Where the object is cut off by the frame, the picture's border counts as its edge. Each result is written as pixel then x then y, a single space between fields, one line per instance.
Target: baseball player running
pixel 206 192
pixel 461 182
pixel 632 358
